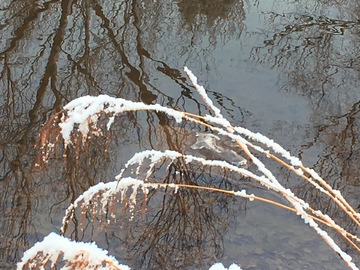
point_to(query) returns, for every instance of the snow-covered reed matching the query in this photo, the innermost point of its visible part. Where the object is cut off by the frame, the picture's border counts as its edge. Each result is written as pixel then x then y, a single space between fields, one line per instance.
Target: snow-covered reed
pixel 83 118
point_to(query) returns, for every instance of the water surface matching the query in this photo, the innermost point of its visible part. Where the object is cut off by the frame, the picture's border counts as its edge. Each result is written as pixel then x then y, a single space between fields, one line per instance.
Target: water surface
pixel 287 69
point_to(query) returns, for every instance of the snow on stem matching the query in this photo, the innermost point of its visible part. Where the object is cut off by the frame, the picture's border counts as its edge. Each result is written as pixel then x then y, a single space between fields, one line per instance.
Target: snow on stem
pixel 298 204
pixel 107 192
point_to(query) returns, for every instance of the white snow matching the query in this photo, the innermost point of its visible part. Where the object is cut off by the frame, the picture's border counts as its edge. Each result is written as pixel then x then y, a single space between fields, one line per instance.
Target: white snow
pixel 200 89
pixel 54 245
pixel 88 109
pixel 220 266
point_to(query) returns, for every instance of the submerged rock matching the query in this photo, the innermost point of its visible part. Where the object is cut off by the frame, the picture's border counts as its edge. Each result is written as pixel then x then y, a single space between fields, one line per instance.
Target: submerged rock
pixel 210 146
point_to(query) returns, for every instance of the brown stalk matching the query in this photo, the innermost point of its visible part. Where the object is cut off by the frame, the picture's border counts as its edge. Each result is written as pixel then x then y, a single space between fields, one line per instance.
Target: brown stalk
pixel 343 204
pixel 83 211
pixel 50 133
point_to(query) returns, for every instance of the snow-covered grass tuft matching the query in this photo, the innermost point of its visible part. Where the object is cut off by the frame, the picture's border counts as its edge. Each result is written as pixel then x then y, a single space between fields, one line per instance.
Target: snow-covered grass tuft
pixel 83 118
pixel 78 255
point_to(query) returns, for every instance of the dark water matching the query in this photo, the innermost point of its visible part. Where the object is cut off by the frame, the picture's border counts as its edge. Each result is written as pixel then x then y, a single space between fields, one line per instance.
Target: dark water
pixel 288 69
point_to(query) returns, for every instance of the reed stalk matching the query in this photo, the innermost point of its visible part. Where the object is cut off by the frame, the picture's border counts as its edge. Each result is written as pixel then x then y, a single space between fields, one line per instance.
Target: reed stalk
pixel 85 118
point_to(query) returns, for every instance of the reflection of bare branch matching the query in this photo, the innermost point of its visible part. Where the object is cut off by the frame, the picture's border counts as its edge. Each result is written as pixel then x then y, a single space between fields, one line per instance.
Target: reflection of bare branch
pixel 220 18
pixel 51 67
pixel 33 14
pixel 316 56
pixel 134 74
pixel 55 52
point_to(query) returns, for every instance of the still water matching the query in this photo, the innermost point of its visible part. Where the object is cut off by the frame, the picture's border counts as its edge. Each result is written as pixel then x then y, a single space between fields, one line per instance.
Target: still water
pixel 287 69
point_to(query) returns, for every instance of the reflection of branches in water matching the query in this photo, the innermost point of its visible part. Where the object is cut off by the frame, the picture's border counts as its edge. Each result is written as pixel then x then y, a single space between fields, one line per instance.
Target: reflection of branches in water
pixel 56 51
pixel 179 229
pixel 340 133
pixel 224 18
pixel 91 50
pixel 318 57
pixel 229 106
pixel 42 65
pixel 310 50
pixel 198 25
pixel 186 230
pixel 336 140
pixel 16 228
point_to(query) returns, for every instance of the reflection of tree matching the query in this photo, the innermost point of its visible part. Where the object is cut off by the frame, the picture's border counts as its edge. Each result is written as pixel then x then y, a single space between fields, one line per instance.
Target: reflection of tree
pixel 52 52
pixel 173 229
pixel 187 231
pixel 211 24
pixel 318 58
pixel 220 17
pixel 311 50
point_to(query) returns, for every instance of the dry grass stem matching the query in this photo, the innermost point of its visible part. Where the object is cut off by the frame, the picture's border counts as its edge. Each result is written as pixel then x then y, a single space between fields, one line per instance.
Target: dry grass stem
pixel 88 117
